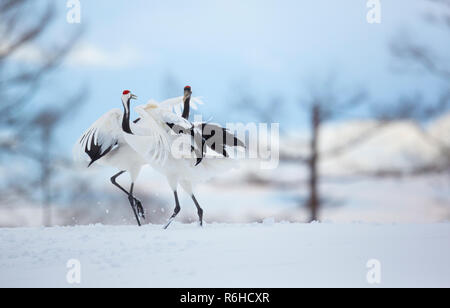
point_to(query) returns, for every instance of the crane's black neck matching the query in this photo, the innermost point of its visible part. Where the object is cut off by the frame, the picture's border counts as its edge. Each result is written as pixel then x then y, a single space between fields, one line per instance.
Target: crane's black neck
pixel 126 117
pixel 186 108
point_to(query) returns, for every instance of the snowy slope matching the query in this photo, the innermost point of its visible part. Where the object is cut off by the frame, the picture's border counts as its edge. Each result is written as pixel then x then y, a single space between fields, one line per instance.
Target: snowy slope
pixel 398 145
pixel 227 255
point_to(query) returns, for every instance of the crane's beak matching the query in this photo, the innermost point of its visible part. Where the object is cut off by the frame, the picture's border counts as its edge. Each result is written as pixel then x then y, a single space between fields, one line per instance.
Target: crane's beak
pixel 133 96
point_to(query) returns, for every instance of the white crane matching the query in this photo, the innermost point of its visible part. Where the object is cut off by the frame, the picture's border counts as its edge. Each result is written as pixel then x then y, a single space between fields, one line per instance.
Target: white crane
pixel 169 129
pixel 104 144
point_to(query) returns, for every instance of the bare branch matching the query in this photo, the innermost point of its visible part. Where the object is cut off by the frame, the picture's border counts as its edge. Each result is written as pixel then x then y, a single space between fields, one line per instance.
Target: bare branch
pixel 29 34
pixel 420 55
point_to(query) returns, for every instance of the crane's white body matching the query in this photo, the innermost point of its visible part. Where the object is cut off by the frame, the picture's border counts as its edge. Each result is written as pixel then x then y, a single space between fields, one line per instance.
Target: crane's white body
pixel 125 158
pixel 107 132
pixel 179 167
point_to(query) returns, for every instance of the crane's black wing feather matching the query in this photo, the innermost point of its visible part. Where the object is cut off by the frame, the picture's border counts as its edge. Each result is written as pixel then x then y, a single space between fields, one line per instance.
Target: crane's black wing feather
pixel 93 148
pixel 206 135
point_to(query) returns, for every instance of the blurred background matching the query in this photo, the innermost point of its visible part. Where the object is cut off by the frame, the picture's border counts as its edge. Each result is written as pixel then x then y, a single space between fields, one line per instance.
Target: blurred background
pixel 364 109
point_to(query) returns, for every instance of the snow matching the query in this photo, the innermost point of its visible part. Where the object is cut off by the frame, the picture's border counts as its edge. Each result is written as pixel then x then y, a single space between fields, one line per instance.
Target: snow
pixel 397 145
pixel 228 255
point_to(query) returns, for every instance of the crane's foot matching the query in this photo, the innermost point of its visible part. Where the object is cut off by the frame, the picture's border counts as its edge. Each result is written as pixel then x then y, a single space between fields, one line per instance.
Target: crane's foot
pixel 168 223
pixel 134 208
pixel 200 214
pixel 139 208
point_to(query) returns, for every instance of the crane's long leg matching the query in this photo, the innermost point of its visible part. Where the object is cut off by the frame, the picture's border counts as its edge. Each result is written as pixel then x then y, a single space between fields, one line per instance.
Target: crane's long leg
pixel 199 210
pixel 133 206
pixel 175 211
pixel 113 180
pixel 138 203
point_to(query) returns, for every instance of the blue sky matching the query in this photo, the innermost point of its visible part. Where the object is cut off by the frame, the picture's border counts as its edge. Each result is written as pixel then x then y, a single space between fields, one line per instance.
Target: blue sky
pixel 265 47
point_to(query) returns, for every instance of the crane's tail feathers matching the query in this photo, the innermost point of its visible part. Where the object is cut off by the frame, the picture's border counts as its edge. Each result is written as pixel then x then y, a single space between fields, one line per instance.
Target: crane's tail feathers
pixel 218 138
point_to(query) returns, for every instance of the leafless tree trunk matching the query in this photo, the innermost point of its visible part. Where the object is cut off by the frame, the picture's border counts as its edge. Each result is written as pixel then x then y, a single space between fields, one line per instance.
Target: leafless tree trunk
pixel 324 105
pixel 46 176
pixel 313 200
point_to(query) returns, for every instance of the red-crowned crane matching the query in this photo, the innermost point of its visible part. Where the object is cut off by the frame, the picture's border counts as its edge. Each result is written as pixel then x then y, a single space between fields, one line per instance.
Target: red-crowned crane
pixel 172 131
pixel 104 144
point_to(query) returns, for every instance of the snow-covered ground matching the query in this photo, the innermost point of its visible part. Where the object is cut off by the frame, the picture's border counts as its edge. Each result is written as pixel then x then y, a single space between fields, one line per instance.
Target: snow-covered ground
pixel 228 255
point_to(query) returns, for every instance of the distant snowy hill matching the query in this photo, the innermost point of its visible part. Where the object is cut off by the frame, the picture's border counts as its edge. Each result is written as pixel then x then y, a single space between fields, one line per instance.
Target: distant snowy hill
pixel 398 145
pixel 441 128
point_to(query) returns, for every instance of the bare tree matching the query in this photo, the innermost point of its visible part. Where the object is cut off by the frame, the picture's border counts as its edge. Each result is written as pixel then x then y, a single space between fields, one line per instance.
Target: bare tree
pixel 30 131
pixel 325 103
pixel 45 124
pixel 18 82
pixel 411 53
